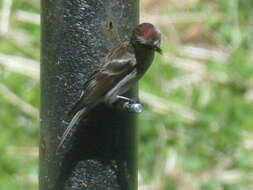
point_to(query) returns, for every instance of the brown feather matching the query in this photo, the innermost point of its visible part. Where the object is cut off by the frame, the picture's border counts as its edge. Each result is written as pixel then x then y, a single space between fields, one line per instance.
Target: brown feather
pixel 107 75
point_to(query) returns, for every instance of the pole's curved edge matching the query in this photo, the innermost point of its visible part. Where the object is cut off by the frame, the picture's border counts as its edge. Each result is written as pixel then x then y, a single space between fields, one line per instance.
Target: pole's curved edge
pixel 76 35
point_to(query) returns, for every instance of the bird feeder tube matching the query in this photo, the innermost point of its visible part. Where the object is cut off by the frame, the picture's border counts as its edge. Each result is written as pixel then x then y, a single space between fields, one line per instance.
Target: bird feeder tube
pixel 76 36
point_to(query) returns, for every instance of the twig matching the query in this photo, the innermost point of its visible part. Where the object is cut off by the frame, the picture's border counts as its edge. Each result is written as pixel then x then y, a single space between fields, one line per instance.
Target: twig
pixel 163 106
pixel 185 64
pixel 28 17
pixel 30 152
pixel 183 81
pixel 237 37
pixel 203 53
pixel 34 3
pixel 31 179
pixel 179 18
pixel 198 72
pixel 171 161
pixel 5 17
pixel 17 101
pixel 20 65
pixel 19 37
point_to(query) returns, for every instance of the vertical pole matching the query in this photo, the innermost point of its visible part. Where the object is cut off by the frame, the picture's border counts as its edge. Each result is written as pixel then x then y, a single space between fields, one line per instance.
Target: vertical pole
pixel 76 36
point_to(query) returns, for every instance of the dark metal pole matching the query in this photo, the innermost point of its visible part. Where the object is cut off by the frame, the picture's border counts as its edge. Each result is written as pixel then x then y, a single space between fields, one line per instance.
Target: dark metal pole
pixel 76 35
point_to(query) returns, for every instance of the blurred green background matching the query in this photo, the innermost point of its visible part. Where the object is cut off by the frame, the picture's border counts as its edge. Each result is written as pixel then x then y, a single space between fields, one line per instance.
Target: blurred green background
pixel 196 131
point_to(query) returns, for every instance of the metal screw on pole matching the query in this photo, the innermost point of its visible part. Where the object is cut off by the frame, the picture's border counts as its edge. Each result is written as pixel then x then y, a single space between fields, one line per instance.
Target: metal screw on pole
pixel 76 36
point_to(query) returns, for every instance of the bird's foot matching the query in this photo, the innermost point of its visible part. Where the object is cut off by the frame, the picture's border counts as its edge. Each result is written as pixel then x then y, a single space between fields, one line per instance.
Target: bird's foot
pixel 128 105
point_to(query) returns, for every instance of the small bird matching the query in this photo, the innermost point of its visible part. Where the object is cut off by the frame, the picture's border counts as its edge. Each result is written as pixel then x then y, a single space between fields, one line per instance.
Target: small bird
pixel 124 65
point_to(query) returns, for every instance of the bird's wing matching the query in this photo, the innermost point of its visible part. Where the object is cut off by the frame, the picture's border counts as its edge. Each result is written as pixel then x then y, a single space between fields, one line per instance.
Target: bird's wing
pixel 80 103
pixel 102 81
pixel 117 65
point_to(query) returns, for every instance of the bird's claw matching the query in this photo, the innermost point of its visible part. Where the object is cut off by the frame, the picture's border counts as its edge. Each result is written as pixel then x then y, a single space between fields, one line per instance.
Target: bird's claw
pixel 133 107
pixel 128 105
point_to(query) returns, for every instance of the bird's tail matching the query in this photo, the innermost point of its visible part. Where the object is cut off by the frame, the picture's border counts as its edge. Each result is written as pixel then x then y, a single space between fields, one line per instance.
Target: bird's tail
pixel 72 123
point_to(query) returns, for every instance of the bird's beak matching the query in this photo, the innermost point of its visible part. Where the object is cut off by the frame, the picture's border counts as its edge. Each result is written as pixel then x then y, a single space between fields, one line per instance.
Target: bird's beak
pixel 158 49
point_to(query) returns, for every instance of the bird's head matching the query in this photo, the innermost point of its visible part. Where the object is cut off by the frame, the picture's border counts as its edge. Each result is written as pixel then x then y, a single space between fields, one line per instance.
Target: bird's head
pixel 147 35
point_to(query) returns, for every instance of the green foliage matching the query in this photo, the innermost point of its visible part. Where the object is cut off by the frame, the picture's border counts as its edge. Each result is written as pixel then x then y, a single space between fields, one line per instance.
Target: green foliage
pixel 19 131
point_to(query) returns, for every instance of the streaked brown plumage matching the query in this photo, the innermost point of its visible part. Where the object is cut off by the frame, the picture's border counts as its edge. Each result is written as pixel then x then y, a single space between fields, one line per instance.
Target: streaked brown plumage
pixel 107 75
pixel 122 68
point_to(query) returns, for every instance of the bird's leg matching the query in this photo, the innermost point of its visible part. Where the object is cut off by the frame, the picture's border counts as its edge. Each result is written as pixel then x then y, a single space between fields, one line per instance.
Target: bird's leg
pixel 128 105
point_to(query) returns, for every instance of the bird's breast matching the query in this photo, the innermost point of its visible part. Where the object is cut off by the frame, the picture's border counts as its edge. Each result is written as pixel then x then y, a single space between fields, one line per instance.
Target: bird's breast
pixel 144 61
